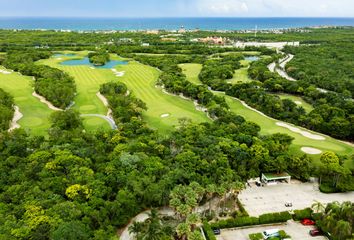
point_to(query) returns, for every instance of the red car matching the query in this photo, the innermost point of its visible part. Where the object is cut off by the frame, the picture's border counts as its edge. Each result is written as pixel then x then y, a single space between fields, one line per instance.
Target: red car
pixel 307 221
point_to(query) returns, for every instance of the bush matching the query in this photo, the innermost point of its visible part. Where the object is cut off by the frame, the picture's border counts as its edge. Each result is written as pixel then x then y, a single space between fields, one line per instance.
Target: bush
pixel 274 217
pixel 255 236
pixel 236 222
pixel 283 234
pixel 301 214
pixel 209 234
pixel 327 188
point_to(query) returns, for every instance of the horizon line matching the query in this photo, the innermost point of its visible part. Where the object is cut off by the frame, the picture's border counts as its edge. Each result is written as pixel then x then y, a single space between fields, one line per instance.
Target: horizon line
pixel 168 17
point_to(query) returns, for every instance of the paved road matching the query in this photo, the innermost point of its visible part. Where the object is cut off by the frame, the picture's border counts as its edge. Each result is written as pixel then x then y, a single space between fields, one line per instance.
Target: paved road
pixel 296 230
pixel 108 119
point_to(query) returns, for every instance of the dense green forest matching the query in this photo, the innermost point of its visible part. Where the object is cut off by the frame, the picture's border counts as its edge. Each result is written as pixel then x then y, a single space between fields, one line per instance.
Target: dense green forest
pixel 6 109
pixel 329 66
pixel 75 184
pixel 56 86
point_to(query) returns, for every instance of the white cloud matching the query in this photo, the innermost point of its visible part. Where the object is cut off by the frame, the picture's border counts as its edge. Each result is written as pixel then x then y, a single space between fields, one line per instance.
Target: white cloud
pixel 280 8
pixel 222 7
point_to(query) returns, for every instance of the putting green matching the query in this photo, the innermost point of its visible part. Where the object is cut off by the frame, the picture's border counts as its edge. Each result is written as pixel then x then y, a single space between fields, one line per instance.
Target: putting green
pixel 298 100
pixel 192 70
pixel 95 123
pixel 240 76
pixel 141 80
pixel 35 114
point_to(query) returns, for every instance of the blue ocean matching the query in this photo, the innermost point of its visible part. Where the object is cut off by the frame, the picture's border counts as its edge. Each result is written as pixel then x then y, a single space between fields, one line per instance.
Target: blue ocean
pixel 168 23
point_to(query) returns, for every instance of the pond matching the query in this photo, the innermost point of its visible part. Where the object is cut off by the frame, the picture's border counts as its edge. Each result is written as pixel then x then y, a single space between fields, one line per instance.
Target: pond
pixel 252 58
pixel 86 61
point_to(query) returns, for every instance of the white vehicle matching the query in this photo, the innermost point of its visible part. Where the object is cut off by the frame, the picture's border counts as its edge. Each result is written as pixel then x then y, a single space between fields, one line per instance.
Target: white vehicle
pixel 270 233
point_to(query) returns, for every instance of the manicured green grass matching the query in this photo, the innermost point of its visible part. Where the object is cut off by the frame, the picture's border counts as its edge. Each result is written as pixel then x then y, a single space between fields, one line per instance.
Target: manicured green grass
pixel 88 82
pixel 95 123
pixel 240 76
pixel 268 126
pixel 308 107
pixel 141 80
pixel 35 114
pixel 192 70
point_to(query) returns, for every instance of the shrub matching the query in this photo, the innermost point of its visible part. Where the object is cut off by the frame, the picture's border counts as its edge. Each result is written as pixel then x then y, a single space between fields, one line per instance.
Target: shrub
pixel 255 236
pixel 283 234
pixel 274 217
pixel 301 214
pixel 327 188
pixel 209 234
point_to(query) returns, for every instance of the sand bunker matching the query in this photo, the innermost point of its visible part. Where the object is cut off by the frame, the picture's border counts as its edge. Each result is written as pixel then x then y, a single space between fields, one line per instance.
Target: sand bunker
pixel 4 71
pixel 117 73
pixel 302 132
pixel 17 116
pixel 310 150
pixel 92 68
pixel 298 102
pixel 165 115
pixel 106 104
pixel 45 101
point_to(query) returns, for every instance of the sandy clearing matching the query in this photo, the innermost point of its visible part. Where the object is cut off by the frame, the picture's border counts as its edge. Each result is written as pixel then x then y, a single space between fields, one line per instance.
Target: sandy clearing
pixel 165 115
pixel 310 150
pixel 302 132
pixel 45 101
pixel 17 116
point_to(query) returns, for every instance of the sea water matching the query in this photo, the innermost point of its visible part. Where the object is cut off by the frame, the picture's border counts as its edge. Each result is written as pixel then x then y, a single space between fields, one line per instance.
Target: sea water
pixel 167 23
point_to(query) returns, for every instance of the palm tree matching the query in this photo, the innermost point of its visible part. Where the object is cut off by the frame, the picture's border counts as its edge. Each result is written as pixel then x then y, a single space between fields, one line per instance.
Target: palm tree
pixel 196 235
pixel 136 228
pixel 183 231
pixel 318 207
pixel 210 190
pixel 342 229
pixel 193 219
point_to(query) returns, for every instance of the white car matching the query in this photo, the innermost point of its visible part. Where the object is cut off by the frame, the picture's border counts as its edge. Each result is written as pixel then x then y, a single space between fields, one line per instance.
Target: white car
pixel 270 233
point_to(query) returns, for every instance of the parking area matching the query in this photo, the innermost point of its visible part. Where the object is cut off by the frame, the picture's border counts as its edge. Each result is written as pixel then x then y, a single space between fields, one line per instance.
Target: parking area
pixel 296 230
pixel 268 199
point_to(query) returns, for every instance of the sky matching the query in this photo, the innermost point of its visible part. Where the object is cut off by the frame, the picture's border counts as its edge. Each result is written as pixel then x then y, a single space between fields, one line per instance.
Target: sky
pixel 177 8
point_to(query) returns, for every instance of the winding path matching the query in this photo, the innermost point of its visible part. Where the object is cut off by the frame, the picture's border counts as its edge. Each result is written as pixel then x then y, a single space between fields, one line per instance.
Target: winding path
pixel 281 71
pixel 108 119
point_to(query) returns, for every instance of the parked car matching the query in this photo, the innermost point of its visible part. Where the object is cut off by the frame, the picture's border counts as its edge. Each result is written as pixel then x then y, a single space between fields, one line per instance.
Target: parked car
pixel 315 232
pixel 307 221
pixel 270 233
pixel 217 231
pixel 288 204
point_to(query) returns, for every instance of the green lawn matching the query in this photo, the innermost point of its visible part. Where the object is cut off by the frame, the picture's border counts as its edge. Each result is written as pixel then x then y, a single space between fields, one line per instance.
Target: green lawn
pixel 268 126
pixel 240 76
pixel 308 107
pixel 192 70
pixel 35 114
pixel 88 82
pixel 141 80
